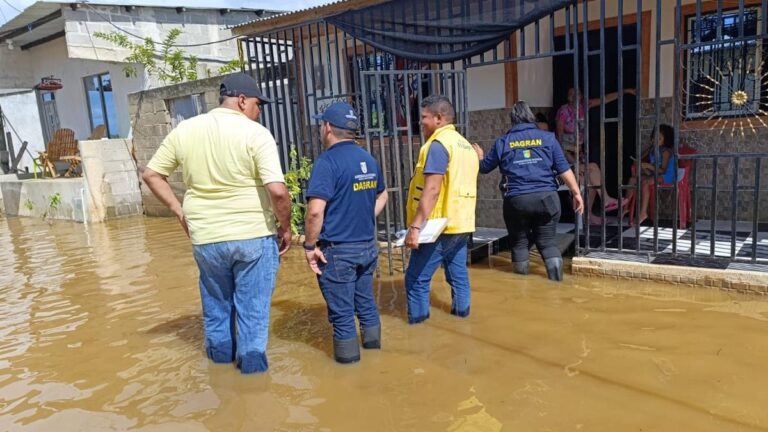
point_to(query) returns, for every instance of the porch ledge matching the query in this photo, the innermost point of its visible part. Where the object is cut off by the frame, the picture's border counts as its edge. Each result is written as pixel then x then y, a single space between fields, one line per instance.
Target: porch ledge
pixel 748 282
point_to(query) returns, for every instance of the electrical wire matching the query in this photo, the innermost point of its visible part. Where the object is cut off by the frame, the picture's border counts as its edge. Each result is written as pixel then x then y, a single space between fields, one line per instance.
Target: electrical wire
pixel 143 37
pixel 11 6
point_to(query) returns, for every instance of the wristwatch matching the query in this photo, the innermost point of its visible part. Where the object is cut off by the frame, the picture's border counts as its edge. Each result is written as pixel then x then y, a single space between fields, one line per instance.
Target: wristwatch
pixel 309 247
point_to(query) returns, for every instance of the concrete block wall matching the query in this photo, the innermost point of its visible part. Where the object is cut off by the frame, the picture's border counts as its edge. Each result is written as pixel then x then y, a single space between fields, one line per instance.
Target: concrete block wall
pixel 198 26
pixel 112 178
pixel 151 122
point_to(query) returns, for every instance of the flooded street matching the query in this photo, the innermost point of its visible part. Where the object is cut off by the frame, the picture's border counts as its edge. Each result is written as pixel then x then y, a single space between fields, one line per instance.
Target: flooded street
pixel 101 330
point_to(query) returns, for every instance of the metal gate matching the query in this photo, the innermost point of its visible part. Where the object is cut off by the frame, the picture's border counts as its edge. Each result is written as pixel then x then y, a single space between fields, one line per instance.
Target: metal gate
pixel 391 101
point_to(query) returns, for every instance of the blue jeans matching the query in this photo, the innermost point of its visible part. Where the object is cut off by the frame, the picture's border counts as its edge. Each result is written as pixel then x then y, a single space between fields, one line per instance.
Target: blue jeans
pixel 347 286
pixel 449 250
pixel 236 283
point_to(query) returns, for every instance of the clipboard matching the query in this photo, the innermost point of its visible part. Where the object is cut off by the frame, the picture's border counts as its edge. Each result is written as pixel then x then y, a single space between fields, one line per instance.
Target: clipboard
pixel 429 233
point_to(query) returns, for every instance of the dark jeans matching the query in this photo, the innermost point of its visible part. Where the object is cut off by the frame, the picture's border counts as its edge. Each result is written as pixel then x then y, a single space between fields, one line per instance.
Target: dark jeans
pixel 347 286
pixel 532 217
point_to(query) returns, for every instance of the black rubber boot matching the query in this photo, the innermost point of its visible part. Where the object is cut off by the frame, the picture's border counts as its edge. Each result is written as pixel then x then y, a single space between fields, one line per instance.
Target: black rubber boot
pixel 372 337
pixel 554 268
pixel 346 351
pixel 520 267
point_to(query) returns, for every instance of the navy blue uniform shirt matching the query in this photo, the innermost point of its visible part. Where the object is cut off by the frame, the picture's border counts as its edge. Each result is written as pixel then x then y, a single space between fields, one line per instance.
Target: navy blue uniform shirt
pixel 349 180
pixel 529 160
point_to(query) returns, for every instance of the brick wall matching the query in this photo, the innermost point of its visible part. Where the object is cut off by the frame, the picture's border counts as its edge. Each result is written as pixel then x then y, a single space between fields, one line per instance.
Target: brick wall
pixel 151 122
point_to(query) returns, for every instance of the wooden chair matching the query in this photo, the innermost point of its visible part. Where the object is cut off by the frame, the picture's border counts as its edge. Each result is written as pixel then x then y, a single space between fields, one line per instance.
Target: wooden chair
pixel 61 148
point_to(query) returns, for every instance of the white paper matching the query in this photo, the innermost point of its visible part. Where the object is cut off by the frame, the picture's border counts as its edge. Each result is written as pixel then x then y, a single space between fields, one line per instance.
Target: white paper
pixel 429 233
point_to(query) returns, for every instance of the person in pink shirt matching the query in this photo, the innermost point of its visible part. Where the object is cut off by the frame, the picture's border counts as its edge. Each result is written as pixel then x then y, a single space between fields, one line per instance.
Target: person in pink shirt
pixel 570 118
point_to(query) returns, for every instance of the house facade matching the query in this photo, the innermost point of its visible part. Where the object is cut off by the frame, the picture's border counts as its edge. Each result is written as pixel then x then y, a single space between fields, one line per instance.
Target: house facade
pixel 697 65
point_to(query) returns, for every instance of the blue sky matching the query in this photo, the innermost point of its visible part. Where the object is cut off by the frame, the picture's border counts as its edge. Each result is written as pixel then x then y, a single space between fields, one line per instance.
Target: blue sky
pixel 7 10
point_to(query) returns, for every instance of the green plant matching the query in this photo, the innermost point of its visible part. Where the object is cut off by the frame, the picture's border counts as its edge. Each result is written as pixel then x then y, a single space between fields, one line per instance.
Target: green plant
pixel 29 205
pixel 298 172
pixel 54 201
pixel 233 66
pixel 174 65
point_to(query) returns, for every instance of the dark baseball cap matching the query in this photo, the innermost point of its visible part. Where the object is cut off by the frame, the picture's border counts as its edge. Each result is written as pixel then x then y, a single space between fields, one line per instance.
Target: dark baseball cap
pixel 241 84
pixel 341 115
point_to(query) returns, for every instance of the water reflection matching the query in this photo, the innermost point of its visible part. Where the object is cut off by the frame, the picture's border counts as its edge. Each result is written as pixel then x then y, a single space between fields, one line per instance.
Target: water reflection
pixel 101 330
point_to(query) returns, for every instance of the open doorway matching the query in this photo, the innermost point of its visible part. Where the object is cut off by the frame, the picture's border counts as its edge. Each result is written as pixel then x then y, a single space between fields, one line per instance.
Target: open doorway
pixel 563 80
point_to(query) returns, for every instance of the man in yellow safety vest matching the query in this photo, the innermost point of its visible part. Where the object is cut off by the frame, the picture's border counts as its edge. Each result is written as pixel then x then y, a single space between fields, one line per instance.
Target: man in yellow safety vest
pixel 444 185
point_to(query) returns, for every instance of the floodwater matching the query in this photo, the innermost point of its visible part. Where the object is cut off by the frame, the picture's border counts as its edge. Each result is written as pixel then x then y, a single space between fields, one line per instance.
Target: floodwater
pixel 101 330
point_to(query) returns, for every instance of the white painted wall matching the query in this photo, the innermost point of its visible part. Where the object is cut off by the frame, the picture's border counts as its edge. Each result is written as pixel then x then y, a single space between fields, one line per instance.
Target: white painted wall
pixel 14 68
pixel 485 87
pixel 23 118
pixel 52 59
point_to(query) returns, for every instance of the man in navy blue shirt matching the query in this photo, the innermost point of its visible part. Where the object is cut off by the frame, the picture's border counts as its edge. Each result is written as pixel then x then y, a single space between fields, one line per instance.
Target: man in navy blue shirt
pixel 530 159
pixel 346 192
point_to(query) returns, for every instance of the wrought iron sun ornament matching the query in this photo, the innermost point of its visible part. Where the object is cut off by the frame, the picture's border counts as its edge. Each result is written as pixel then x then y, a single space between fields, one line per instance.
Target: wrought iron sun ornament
pixel 745 114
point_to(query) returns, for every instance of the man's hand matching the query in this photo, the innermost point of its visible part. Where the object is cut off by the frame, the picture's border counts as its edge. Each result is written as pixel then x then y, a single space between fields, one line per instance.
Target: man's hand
pixel 578 204
pixel 478 150
pixel 412 238
pixel 313 258
pixel 182 219
pixel 284 236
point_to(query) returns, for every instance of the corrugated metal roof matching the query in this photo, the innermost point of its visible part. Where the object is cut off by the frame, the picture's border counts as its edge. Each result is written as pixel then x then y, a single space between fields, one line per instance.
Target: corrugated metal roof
pixel 295 12
pixel 310 14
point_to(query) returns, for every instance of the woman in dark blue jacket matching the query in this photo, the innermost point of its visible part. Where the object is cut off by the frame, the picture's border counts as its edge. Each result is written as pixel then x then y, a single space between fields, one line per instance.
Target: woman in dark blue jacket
pixel 530 159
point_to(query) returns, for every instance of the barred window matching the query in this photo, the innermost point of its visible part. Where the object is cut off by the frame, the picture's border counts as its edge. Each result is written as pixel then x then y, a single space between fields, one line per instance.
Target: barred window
pixel 724 76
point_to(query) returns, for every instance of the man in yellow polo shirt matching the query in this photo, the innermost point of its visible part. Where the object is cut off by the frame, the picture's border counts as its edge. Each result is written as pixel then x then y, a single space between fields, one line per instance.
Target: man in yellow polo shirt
pixel 235 191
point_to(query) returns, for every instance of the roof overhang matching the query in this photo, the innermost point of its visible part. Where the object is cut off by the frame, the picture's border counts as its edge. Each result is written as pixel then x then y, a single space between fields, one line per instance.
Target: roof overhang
pixel 41 21
pixel 292 19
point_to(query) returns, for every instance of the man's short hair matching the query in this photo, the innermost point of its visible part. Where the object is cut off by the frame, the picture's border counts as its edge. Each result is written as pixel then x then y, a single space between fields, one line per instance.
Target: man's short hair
pixel 439 104
pixel 343 134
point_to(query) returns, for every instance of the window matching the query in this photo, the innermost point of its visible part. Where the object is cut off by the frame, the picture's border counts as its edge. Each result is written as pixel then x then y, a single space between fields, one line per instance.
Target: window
pixel 186 107
pixel 725 78
pixel 101 103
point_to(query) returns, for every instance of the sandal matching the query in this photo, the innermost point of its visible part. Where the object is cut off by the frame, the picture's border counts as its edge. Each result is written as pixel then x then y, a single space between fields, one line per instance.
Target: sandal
pixel 611 204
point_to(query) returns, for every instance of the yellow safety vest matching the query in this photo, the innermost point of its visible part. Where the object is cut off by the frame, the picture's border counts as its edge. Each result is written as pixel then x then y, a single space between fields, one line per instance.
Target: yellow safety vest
pixel 458 192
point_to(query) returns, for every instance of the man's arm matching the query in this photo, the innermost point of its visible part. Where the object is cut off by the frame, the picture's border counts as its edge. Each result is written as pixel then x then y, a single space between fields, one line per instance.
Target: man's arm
pixel 381 201
pixel 281 207
pixel 432 185
pixel 313 223
pixel 160 187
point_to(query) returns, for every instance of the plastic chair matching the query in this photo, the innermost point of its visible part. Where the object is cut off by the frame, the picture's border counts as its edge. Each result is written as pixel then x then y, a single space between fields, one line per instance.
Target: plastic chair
pixel 683 191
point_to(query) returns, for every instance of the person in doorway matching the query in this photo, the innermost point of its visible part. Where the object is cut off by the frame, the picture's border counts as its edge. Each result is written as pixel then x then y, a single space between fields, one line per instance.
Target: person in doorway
pixel 542 122
pixel 346 192
pixel 665 167
pixel 444 185
pixel 235 193
pixel 570 129
pixel 529 160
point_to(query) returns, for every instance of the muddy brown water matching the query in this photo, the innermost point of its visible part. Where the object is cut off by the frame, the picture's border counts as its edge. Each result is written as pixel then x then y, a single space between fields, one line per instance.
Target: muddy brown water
pixel 101 330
